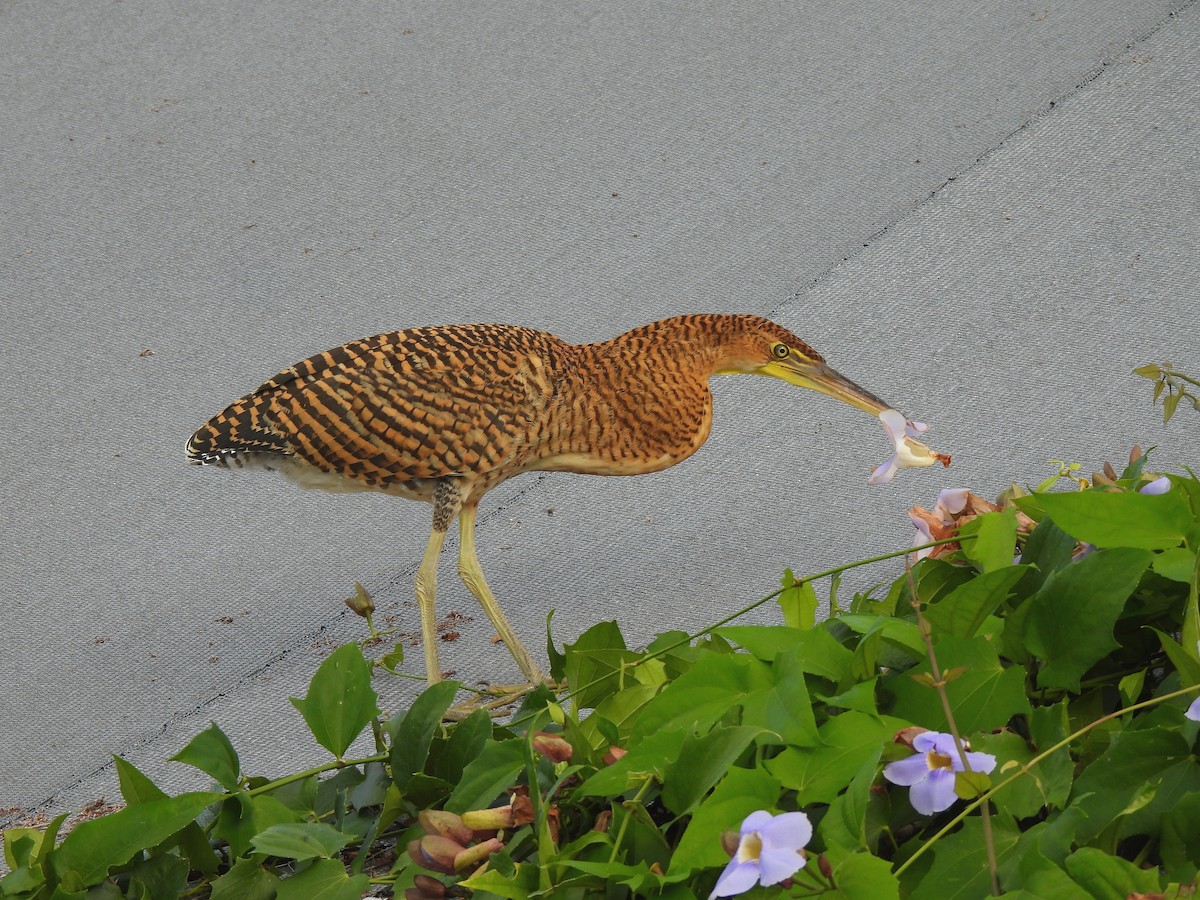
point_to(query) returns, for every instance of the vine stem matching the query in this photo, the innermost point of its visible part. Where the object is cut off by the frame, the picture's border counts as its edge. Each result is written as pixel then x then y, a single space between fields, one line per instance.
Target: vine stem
pixel 315 770
pixel 939 683
pixel 629 805
pixel 1175 373
pixel 1027 768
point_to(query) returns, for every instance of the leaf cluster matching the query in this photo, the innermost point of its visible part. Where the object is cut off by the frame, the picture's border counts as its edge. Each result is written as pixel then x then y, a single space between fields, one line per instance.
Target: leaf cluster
pixel 1177 386
pixel 1066 649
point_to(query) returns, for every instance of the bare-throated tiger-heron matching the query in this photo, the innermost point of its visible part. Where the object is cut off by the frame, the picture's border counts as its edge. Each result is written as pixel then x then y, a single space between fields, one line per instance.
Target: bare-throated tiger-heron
pixel 445 413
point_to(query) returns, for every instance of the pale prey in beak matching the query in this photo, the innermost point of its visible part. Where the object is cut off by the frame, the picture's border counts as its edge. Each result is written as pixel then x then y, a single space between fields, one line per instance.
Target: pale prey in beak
pixel 908 453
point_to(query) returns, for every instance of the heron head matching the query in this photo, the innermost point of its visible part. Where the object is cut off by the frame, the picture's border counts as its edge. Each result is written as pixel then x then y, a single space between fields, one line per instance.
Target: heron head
pixel 763 348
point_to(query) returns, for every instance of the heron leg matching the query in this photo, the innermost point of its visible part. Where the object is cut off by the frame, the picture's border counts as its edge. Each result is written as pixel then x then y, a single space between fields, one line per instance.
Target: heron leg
pixel 446 504
pixel 471 573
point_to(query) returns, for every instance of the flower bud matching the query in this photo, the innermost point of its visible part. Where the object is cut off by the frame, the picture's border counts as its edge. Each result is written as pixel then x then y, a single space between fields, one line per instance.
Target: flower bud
pixel 518 812
pixel 361 603
pixel 435 853
pixel 489 819
pixel 824 866
pixel 425 888
pixel 614 753
pixel 603 821
pixel 471 857
pixel 445 824
pixel 906 736
pixel 552 746
pixel 730 840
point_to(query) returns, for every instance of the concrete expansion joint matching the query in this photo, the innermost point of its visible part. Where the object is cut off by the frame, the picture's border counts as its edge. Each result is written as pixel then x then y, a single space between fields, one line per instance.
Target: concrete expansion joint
pixel 1050 105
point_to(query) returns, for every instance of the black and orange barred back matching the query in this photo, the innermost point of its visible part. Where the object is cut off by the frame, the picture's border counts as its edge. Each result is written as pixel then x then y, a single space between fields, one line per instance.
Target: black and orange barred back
pixel 486 402
pixel 405 405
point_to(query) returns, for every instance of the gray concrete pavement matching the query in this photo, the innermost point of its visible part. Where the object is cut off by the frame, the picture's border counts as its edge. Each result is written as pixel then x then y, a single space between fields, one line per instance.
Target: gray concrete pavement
pixel 988 215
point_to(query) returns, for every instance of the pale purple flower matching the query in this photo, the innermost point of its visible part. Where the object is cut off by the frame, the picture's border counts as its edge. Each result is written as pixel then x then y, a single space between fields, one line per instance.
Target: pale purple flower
pixel 930 772
pixel 950 502
pixel 908 453
pixel 768 852
pixel 1159 485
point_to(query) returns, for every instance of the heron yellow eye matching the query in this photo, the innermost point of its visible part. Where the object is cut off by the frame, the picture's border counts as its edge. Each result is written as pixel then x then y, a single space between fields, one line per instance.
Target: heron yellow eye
pixel 781 351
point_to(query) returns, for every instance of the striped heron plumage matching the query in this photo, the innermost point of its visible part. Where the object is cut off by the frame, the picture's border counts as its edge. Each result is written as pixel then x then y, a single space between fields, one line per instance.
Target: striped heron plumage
pixel 445 413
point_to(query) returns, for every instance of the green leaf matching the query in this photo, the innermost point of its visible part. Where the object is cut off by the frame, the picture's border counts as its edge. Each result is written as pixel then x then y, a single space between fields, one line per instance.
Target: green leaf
pixel 300 840
pixel 242 817
pixel 1180 842
pixel 819 774
pixel 702 695
pixel 488 776
pixel 425 791
pixel 784 707
pixel 985 697
pixel 393 659
pixel 211 752
pixel 594 663
pixel 965 608
pixel 163 876
pixel 1177 564
pixel 969 785
pixel 1134 763
pixel 137 788
pixel 340 701
pixel 247 880
pixel 558 661
pixel 798 602
pixel 861 876
pixel 1108 877
pixel 411 737
pixel 373 788
pixel 326 879
pixel 741 792
pixel 639 878
pixel 995 541
pixel 1159 796
pixel 93 847
pixel 701 762
pixel 960 868
pixel 1170 404
pixel 1185 661
pixel 1048 548
pixel 1071 618
pixel 22 882
pixel 1027 795
pixel 860 696
pixel 1124 519
pixel 21 846
pixel 515 886
pixel 463 745
pixel 900 633
pixel 845 825
pixel 1148 371
pixel 649 756
pixel 1048 726
pixel 1042 879
pixel 819 652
